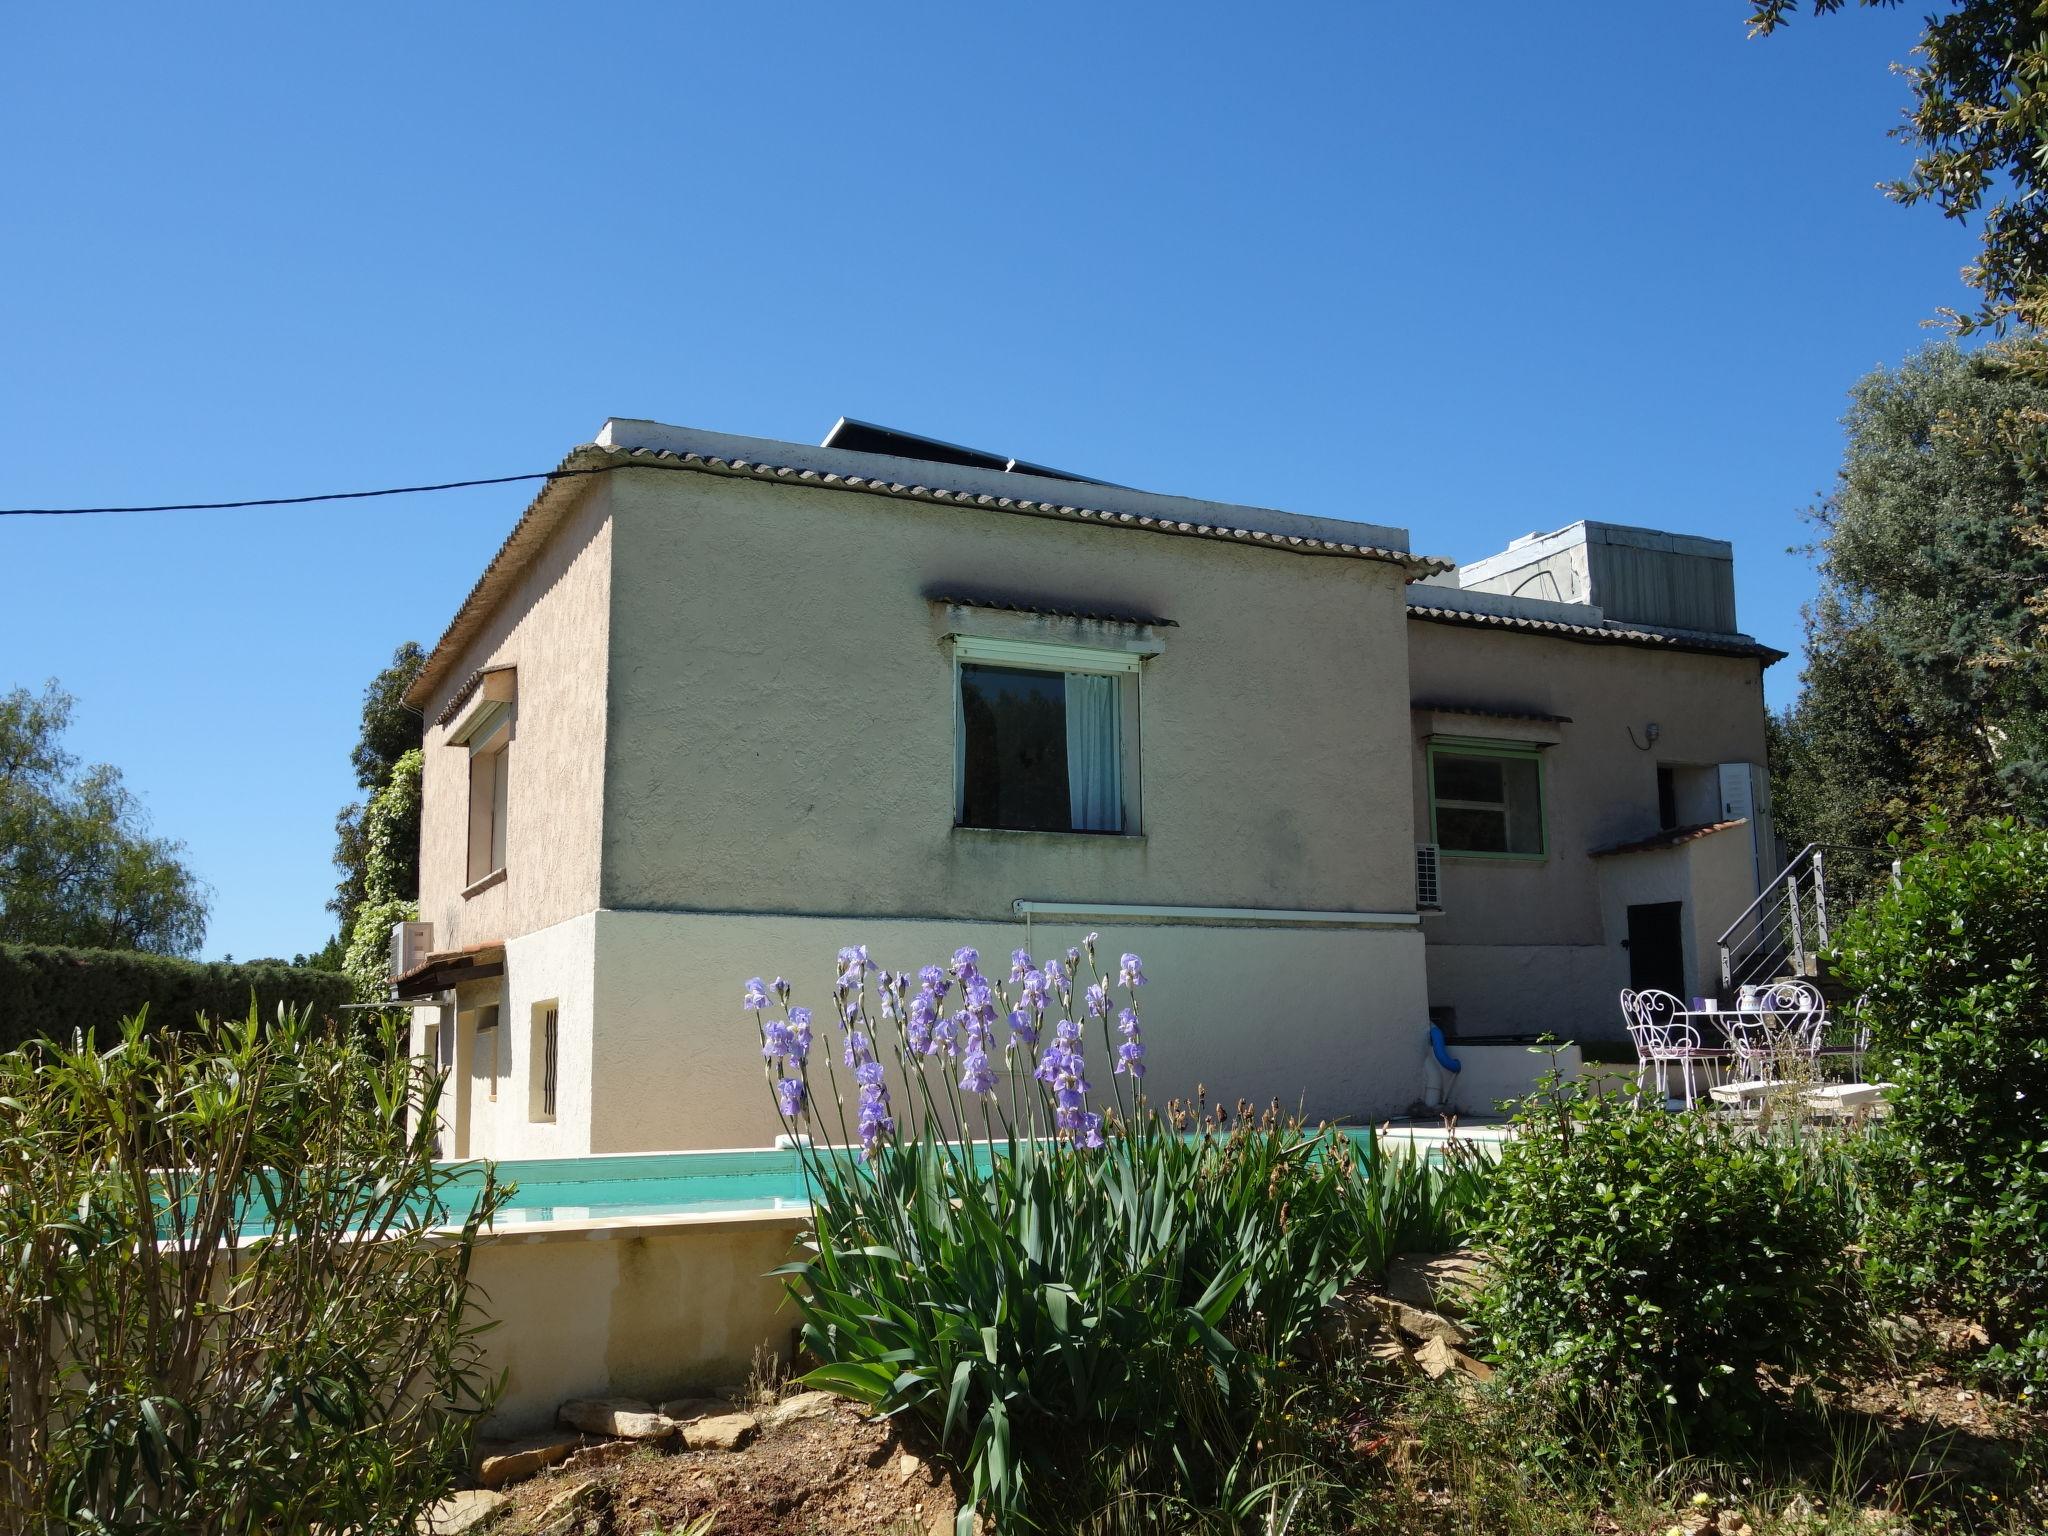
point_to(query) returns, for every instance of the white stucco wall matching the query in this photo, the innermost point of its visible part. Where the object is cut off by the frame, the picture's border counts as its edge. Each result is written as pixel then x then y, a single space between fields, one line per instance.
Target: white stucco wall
pixel 1329 1020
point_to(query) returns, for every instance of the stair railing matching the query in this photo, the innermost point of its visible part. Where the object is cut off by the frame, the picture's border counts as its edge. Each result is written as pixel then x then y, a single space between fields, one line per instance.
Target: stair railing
pixel 1785 930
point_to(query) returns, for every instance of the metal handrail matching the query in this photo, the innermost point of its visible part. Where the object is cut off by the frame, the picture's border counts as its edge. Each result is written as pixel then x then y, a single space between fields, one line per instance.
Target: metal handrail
pixel 1779 898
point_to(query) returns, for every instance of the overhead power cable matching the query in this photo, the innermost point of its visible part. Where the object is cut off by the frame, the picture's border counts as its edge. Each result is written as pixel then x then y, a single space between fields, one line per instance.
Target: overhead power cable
pixel 299 501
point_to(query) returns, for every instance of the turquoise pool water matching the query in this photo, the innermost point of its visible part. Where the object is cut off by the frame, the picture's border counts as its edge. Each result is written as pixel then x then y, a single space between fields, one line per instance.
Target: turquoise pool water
pixel 663 1184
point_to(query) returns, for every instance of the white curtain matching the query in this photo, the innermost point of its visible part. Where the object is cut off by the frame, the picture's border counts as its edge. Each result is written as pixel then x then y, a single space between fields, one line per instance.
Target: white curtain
pixel 1095 769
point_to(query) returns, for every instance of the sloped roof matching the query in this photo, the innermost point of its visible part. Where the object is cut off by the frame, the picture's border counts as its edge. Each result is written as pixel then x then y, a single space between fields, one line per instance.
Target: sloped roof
pixel 1595 634
pixel 1671 837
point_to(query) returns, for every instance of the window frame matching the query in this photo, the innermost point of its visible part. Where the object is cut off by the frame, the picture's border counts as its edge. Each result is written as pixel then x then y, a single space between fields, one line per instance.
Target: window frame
pixel 1456 746
pixel 490 749
pixel 1050 656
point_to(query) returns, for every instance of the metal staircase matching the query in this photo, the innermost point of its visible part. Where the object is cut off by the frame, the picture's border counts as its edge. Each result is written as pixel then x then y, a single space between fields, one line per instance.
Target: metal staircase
pixel 1783 934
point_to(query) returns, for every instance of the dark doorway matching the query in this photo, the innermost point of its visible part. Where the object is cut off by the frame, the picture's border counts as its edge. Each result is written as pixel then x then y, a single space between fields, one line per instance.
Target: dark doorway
pixel 1656 947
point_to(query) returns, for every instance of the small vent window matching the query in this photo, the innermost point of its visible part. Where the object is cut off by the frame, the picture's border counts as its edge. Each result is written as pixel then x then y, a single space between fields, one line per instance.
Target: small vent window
pixel 545 1055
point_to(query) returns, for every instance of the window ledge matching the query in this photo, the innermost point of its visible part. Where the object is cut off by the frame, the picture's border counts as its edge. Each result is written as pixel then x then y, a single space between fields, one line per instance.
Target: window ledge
pixel 495 877
pixel 1026 833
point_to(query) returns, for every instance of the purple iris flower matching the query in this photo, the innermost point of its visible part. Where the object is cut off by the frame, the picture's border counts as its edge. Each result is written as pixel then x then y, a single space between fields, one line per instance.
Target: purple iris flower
pixel 777 1040
pixel 1088 1132
pixel 1066 1031
pixel 978 1076
pixel 789 1094
pixel 800 1032
pixel 1034 988
pixel 857 1049
pixel 1022 1030
pixel 1098 1000
pixel 1130 1057
pixel 1020 962
pixel 1131 972
pixel 755 997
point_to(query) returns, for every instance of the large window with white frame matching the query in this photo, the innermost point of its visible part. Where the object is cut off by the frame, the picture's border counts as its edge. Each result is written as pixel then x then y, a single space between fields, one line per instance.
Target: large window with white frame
pixel 1045 737
pixel 486 732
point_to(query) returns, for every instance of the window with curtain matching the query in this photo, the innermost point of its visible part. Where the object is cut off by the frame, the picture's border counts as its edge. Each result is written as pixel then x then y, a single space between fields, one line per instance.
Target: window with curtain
pixel 1040 751
pixel 1487 801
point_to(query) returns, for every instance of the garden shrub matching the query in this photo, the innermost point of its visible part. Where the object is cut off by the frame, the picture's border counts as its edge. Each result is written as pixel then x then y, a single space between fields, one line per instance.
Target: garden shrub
pixel 223 1303
pixel 1643 1265
pixel 52 993
pixel 1127 1289
pixel 1950 967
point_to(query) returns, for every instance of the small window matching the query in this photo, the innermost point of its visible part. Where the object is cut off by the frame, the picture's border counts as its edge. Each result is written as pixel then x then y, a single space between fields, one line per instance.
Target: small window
pixel 1041 750
pixel 1667 799
pixel 543 1056
pixel 1487 801
pixel 487 1050
pixel 487 795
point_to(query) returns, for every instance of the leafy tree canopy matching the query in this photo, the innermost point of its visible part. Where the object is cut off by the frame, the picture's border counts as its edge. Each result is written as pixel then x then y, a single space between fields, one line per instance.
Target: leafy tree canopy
pixel 77 866
pixel 390 730
pixel 1925 688
pixel 1978 127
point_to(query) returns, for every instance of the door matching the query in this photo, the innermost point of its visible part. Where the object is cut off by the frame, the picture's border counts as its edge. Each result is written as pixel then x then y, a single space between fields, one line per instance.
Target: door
pixel 1656 947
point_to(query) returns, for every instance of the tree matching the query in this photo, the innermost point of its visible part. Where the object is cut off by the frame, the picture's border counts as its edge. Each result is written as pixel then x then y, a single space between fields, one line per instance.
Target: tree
pixel 391 848
pixel 390 730
pixel 1979 128
pixel 1925 688
pixel 77 866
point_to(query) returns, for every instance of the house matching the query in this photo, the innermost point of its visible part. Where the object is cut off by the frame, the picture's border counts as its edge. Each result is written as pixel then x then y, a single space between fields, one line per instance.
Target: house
pixel 722 705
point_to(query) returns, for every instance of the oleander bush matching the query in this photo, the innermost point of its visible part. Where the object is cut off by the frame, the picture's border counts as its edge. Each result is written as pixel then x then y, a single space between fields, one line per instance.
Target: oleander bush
pixel 1952 967
pixel 1093 1302
pixel 224 1306
pixel 1644 1265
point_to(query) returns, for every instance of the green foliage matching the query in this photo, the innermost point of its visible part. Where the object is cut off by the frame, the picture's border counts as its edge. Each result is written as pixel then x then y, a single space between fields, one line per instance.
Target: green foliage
pixel 1645 1264
pixel 224 1307
pixel 1978 128
pixel 1144 1304
pixel 367 960
pixel 1923 688
pixel 76 863
pixel 1950 966
pixel 52 993
pixel 390 731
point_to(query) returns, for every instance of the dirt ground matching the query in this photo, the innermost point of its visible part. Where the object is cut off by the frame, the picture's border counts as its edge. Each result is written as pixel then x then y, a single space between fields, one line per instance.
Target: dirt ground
pixel 837 1472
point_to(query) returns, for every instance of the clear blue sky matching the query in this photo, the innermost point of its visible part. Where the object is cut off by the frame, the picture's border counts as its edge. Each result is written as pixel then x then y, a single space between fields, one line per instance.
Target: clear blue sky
pixel 1474 269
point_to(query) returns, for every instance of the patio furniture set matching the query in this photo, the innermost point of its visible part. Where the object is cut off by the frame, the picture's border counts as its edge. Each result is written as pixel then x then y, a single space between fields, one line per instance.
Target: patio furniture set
pixel 1772 1041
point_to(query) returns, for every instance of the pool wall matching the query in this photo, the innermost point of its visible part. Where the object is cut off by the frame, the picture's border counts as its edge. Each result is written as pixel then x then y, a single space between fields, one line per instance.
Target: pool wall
pixel 647 1307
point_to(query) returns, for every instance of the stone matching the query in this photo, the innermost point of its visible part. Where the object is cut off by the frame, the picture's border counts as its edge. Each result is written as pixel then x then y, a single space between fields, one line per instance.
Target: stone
pixel 683 1409
pixel 720 1432
pixel 564 1507
pixel 1729 1522
pixel 1436 1358
pixel 602 1454
pixel 805 1405
pixel 505 1462
pixel 907 1467
pixel 470 1509
pixel 625 1418
pixel 1418 1324
pixel 1433 1282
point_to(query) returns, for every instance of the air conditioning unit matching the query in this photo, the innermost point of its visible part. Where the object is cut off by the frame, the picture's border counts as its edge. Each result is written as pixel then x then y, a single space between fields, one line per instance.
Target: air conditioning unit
pixel 410 943
pixel 1428 890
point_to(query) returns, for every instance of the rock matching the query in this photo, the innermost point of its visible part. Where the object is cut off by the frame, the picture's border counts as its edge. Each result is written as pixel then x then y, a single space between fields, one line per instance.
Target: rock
pixel 1433 1282
pixel 1436 1358
pixel 1730 1523
pixel 1418 1324
pixel 563 1508
pixel 505 1462
pixel 625 1418
pixel 469 1510
pixel 683 1409
pixel 907 1467
pixel 805 1405
pixel 1902 1331
pixel 603 1454
pixel 720 1432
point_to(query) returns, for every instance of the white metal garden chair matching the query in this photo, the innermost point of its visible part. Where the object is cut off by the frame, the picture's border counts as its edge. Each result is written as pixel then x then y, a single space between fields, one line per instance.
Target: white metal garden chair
pixel 1663 1038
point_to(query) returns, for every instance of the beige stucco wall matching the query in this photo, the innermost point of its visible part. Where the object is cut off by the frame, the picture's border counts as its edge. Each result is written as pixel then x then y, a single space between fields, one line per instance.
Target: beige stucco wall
pixel 646 1309
pixel 1712 875
pixel 1524 946
pixel 1329 1020
pixel 781 715
pixel 554 629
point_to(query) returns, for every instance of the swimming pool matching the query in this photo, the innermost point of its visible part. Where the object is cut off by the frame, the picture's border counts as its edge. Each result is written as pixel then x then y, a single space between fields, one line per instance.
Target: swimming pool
pixel 644 1184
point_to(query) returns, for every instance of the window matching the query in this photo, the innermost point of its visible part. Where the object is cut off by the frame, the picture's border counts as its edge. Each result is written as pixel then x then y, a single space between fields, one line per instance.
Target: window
pixel 1043 736
pixel 486 731
pixel 1667 799
pixel 487 1049
pixel 1487 800
pixel 543 1056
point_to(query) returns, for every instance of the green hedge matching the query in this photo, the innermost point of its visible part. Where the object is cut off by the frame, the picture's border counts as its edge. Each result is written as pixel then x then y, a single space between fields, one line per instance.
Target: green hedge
pixel 47 992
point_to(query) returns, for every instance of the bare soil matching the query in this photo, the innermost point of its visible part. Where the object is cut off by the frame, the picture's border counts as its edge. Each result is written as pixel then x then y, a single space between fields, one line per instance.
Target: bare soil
pixel 820 1476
